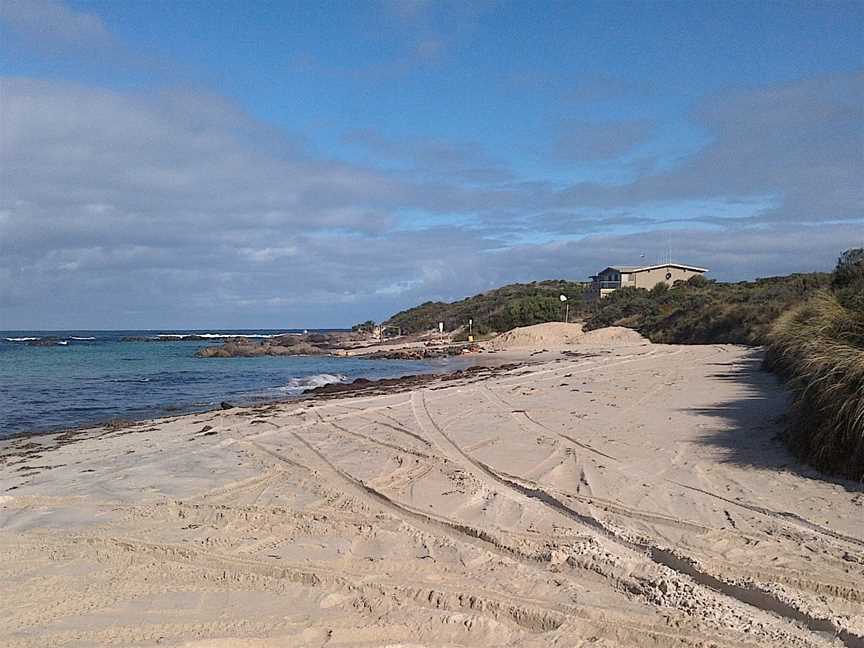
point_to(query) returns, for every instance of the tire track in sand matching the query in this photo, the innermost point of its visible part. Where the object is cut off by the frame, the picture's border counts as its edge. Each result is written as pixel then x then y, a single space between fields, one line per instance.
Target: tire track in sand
pixel 788 518
pixel 752 595
pixel 461 532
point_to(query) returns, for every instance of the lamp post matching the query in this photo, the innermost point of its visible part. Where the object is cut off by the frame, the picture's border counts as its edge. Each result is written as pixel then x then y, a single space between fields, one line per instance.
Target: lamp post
pixel 563 298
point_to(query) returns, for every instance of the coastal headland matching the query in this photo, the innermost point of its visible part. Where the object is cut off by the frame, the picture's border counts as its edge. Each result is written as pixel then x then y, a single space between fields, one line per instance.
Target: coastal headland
pixel 599 491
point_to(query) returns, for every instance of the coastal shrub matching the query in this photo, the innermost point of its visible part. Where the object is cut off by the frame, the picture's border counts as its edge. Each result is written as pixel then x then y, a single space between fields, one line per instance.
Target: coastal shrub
pixel 699 311
pixel 496 310
pixel 848 282
pixel 818 348
pixel 659 289
pixel 850 269
pixel 624 304
pixel 364 327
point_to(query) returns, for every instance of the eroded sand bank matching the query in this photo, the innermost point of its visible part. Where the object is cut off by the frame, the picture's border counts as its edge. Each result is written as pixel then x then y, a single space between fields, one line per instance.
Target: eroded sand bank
pixel 631 496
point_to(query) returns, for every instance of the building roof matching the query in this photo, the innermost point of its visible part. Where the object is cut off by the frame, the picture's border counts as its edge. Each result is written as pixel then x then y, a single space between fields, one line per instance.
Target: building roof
pixel 655 267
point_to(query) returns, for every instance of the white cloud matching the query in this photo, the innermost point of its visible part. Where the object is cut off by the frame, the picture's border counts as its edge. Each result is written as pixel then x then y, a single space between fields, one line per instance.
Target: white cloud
pixel 802 142
pixel 53 26
pixel 581 141
pixel 177 209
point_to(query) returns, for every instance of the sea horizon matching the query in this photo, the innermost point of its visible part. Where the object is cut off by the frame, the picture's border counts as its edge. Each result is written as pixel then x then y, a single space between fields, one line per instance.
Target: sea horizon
pixel 297 329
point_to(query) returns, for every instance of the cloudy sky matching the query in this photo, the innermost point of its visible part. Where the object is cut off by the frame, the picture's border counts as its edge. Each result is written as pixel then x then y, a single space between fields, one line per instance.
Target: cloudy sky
pixel 251 164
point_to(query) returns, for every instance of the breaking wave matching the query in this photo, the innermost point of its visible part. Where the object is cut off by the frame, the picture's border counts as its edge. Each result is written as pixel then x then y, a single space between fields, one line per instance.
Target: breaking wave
pixel 220 336
pixel 54 339
pixel 298 385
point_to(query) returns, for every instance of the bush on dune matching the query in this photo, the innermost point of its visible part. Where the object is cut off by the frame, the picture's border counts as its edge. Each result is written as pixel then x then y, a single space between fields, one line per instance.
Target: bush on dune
pixel 496 310
pixel 699 311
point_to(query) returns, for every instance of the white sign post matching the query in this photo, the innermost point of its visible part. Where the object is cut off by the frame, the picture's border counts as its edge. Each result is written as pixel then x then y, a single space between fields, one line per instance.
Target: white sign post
pixel 563 298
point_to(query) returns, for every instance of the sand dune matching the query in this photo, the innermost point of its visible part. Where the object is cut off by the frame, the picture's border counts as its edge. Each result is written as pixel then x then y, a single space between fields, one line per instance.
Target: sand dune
pixel 559 335
pixel 550 335
pixel 630 496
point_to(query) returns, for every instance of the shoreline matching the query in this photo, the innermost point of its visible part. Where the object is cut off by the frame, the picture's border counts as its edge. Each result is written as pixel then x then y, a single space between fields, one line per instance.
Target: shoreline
pixel 341 390
pixel 627 496
pixel 97 384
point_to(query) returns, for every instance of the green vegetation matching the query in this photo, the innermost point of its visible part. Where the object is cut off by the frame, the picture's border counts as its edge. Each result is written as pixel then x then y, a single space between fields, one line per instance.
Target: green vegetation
pixel 364 327
pixel 818 347
pixel 700 311
pixel 497 310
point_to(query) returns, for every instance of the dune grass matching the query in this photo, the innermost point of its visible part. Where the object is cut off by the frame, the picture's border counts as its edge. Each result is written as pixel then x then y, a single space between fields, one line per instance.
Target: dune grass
pixel 818 348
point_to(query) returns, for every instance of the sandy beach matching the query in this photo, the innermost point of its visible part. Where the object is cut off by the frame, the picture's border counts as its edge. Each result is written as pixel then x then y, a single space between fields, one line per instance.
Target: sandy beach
pixel 620 495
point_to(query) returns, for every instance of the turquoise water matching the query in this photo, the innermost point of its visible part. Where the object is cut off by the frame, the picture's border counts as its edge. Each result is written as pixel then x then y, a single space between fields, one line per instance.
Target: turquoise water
pixel 90 377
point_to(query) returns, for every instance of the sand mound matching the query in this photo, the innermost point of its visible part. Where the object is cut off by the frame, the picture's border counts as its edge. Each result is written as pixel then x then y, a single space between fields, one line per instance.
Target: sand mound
pixel 555 335
pixel 551 335
pixel 612 336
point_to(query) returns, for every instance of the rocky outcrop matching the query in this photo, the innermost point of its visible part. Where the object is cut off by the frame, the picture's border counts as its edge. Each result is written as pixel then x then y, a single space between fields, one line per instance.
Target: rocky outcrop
pixel 245 348
pixel 318 343
pixel 423 353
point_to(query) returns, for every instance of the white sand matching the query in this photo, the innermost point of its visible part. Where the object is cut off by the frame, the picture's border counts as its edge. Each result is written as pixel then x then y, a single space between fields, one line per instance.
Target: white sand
pixel 560 335
pixel 552 335
pixel 617 336
pixel 636 496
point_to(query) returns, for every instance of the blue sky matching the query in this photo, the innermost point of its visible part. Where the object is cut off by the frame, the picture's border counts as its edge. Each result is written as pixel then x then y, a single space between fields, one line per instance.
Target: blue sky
pixel 318 163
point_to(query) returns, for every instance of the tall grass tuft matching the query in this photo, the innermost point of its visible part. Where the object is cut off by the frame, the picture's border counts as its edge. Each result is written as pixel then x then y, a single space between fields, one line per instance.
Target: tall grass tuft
pixel 818 347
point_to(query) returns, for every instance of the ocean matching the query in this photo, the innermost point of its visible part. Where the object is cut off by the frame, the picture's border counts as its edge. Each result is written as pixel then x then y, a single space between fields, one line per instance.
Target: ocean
pixel 92 377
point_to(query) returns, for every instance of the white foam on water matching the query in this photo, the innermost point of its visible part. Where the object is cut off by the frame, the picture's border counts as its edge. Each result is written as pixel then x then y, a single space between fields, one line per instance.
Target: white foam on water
pixel 22 339
pixel 298 385
pixel 219 336
pixel 82 338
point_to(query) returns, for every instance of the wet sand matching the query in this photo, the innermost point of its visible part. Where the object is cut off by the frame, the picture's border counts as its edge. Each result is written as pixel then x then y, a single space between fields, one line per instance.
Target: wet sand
pixel 618 496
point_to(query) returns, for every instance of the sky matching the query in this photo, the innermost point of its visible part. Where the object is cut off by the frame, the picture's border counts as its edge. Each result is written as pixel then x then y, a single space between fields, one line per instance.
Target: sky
pixel 242 164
